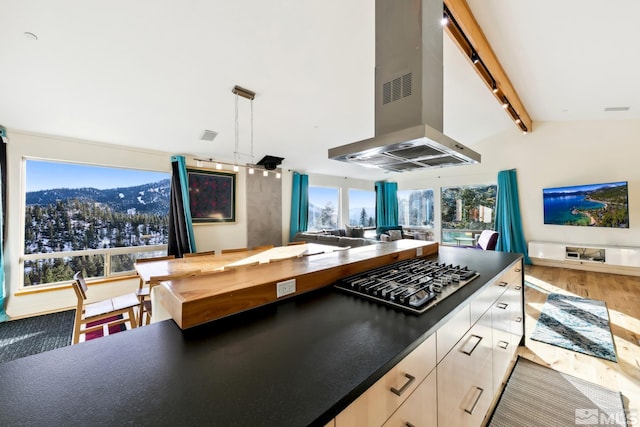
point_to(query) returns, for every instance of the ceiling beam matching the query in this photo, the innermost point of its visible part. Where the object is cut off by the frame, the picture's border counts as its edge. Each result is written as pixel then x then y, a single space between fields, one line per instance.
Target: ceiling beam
pixel 489 69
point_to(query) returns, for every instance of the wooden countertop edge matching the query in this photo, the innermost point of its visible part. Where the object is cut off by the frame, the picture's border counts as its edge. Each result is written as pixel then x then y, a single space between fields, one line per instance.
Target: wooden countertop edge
pixel 190 312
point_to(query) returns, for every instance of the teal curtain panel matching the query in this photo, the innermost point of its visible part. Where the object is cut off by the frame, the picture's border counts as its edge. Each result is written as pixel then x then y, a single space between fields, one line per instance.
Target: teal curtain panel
pixel 299 204
pixel 386 203
pixel 508 218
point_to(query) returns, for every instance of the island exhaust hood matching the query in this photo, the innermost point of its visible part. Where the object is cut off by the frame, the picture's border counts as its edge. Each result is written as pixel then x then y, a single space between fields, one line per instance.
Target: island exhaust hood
pixel 408 94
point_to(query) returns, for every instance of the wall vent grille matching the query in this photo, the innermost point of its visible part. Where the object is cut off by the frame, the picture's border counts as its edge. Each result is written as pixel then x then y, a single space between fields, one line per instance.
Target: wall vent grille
pixel 396 89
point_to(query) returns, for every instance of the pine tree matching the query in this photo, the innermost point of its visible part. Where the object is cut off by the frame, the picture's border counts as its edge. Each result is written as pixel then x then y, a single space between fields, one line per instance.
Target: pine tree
pixel 363 217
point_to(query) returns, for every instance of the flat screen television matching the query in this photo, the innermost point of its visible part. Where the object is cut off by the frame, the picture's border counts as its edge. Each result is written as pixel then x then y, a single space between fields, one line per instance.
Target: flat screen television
pixel 592 205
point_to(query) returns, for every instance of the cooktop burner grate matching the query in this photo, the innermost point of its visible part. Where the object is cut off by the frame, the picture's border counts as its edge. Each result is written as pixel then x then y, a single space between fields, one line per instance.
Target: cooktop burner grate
pixel 413 285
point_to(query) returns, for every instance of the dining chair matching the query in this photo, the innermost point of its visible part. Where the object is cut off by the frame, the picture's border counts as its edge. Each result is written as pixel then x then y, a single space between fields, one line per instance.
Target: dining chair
pixel 194 254
pixel 143 291
pixel 262 247
pixel 487 240
pixel 146 307
pixel 228 251
pixel 120 307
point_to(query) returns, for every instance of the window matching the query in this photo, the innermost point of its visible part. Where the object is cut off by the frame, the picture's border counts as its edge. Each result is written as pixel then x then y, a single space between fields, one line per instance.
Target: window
pixel 323 208
pixel 362 208
pixel 415 208
pixel 466 211
pixel 92 219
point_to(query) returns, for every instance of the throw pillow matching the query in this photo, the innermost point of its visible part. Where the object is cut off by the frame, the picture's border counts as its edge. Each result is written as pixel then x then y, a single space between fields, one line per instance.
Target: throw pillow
pixel 357 232
pixel 348 230
pixel 395 234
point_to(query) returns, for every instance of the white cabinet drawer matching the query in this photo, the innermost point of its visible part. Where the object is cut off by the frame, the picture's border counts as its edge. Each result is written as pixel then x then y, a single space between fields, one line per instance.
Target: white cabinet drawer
pixel 465 383
pixel 420 409
pixel 503 353
pixel 380 400
pixel 515 273
pixel 487 297
pixel 451 332
pixel 516 315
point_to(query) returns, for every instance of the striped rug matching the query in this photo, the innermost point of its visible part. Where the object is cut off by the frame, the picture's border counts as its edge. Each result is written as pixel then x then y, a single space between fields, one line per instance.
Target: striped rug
pixel 538 396
pixel 578 324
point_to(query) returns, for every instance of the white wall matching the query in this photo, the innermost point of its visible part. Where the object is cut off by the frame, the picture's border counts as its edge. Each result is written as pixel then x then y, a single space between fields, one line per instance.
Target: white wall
pixel 554 154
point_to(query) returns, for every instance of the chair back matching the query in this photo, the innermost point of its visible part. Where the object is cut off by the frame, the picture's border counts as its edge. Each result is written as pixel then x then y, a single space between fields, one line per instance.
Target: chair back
pixel 228 251
pixel 158 258
pixel 192 254
pixel 488 240
pixel 80 286
pixel 154 280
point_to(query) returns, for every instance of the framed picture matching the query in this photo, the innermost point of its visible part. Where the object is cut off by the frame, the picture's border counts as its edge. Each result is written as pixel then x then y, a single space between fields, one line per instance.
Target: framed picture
pixel 212 196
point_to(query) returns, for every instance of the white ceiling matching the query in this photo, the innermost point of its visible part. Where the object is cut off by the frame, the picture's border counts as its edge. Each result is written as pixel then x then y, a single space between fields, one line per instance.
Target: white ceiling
pixel 156 73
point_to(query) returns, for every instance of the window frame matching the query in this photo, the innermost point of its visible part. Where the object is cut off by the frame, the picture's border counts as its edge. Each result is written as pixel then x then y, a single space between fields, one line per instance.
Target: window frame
pixel 465 231
pixel 108 253
pixel 420 227
pixel 338 206
pixel 373 193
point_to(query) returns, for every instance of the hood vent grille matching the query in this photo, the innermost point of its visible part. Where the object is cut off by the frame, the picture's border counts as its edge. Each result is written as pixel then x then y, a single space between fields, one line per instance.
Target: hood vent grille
pixel 409 158
pixel 396 89
pixel 409 94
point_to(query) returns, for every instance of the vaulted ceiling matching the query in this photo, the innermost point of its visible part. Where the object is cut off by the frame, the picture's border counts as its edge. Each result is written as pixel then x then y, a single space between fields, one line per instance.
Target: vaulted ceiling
pixel 156 73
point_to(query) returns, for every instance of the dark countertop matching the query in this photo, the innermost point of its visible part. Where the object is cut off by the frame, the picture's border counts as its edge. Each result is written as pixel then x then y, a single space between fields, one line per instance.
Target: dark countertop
pixel 296 362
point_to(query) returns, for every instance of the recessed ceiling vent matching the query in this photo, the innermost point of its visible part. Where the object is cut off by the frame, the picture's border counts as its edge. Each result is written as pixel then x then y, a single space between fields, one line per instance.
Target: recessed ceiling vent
pixel 208 135
pixel 408 94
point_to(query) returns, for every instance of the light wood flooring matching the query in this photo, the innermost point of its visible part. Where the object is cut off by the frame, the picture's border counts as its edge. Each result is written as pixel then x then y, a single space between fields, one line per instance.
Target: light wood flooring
pixel 622 296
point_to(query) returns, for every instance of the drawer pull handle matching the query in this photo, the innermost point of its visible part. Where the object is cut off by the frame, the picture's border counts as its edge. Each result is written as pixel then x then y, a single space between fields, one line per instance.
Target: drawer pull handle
pixel 473 408
pixel 408 424
pixel 518 319
pixel 468 353
pixel 502 305
pixel 503 344
pixel 517 270
pixel 502 284
pixel 517 288
pixel 402 389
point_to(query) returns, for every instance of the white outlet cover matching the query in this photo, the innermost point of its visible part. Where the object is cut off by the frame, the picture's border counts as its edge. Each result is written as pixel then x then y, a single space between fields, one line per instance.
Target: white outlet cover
pixel 285 288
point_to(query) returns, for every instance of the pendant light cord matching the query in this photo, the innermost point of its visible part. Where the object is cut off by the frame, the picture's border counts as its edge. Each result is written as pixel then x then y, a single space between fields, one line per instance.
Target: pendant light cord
pixel 252 158
pixel 235 152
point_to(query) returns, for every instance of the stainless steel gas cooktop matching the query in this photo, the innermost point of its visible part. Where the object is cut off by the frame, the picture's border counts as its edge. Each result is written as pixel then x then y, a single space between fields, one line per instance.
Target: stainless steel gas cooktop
pixel 412 285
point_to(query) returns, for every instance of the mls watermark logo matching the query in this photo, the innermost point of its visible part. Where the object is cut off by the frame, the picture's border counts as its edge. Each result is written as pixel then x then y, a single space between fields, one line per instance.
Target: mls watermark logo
pixel 587 417
pixel 605 417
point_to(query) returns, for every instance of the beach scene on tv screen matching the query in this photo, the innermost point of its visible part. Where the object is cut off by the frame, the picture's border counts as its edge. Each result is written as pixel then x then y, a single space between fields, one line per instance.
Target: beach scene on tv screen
pixel 594 205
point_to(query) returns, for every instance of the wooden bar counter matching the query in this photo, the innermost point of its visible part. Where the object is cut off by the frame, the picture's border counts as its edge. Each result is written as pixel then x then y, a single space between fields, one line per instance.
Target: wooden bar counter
pixel 192 301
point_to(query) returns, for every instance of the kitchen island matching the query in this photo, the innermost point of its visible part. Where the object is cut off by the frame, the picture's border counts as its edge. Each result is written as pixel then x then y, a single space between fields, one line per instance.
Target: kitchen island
pixel 299 361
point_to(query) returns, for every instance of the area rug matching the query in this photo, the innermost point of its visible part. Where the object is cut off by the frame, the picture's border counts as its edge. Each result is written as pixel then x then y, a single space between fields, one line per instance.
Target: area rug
pixel 538 396
pixel 577 324
pixel 33 335
pixel 24 337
